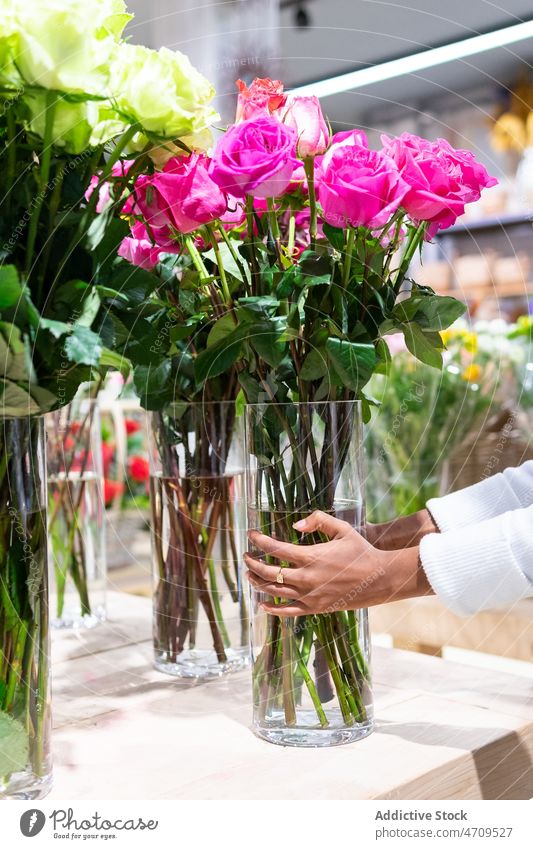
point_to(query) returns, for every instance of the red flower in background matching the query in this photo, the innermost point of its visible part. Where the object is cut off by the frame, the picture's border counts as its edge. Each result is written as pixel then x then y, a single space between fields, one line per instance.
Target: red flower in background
pixel 131 426
pixel 108 452
pixel 139 469
pixel 111 490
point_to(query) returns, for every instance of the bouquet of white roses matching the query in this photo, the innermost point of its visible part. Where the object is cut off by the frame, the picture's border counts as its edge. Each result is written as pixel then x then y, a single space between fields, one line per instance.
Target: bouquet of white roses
pixel 81 114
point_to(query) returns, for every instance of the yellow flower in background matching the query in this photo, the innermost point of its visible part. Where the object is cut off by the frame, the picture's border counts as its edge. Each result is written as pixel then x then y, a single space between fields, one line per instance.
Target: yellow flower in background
pixel 472 373
pixel 470 341
pixel 466 338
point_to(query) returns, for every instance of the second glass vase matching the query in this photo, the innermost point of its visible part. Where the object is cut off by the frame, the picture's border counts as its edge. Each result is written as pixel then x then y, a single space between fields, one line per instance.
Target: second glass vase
pixel 200 624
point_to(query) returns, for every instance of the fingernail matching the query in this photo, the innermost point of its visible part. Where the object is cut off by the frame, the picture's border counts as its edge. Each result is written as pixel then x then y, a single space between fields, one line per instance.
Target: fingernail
pixel 300 525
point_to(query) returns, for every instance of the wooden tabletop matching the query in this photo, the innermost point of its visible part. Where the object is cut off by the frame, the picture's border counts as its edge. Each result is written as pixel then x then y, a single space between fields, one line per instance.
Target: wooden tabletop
pixel 125 731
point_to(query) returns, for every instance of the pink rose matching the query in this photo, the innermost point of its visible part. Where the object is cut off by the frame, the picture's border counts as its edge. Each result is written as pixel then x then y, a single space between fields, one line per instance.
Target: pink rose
pixel 360 187
pixel 346 138
pixel 119 169
pixel 305 116
pixel 474 175
pixel 255 158
pixel 235 214
pixel 138 249
pixel 182 197
pixel 302 220
pixel 262 98
pixel 441 180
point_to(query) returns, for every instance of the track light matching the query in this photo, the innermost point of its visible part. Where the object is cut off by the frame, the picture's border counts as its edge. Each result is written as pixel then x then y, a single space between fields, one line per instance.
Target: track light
pixel 418 61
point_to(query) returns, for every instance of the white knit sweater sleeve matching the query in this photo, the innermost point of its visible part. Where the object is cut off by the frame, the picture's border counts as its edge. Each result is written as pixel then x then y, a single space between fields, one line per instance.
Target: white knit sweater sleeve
pixel 484 565
pixel 507 490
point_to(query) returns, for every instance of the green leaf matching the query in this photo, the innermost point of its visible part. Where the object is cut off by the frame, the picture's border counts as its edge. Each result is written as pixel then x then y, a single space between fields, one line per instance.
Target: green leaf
pixel 89 308
pixel 431 312
pixel 384 356
pixel 151 381
pixel 105 254
pixel 437 312
pixel 315 365
pixel 240 403
pixel 14 745
pixel 256 306
pixel 286 282
pixel 56 328
pixel 83 346
pixel 266 339
pixel 16 400
pixel 335 235
pixel 421 345
pixel 353 362
pixel 252 388
pixel 15 355
pixel 314 270
pixel 107 292
pixel 116 361
pixel 228 261
pixel 218 358
pixel 10 288
pixel 135 283
pixel 221 329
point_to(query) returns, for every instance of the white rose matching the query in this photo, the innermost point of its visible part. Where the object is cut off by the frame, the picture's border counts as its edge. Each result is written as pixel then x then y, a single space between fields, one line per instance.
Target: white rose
pixel 161 90
pixel 67 44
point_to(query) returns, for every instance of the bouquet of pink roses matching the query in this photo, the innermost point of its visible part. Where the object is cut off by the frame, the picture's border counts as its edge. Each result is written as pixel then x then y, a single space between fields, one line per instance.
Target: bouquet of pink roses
pixel 282 263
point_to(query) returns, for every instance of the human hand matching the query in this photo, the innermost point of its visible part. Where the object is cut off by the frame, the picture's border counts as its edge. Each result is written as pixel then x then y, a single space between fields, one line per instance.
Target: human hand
pixel 345 573
pixel 342 574
pixel 403 532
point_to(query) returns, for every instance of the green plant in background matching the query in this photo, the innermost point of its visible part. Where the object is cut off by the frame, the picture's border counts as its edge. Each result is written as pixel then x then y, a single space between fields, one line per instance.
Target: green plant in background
pixel 422 416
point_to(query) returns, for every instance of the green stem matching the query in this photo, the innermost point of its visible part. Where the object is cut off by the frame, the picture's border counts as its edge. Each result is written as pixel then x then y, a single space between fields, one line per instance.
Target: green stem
pixel 309 167
pixel 291 235
pixel 302 661
pixel 334 670
pixel 52 98
pixel 287 677
pixel 237 259
pixel 413 241
pixel 351 624
pixel 348 257
pixel 256 280
pixel 215 595
pixel 197 259
pixel 11 155
pixel 220 266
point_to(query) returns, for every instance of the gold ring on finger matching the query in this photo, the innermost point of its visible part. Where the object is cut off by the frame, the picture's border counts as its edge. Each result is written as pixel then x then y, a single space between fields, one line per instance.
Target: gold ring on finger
pixel 279 576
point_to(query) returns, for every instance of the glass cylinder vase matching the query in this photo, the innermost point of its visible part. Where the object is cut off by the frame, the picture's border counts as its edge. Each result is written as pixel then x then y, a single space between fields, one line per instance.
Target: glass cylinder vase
pixel 200 624
pixel 25 721
pixel 311 674
pixel 76 517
